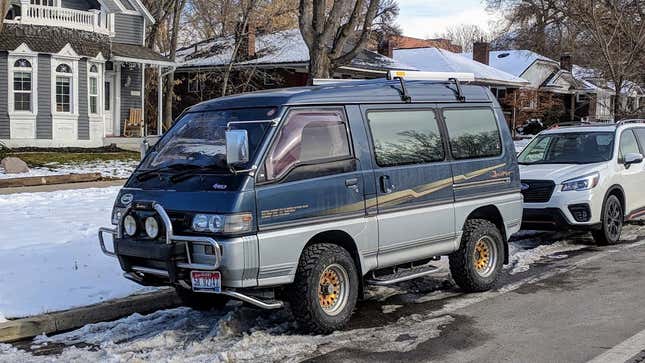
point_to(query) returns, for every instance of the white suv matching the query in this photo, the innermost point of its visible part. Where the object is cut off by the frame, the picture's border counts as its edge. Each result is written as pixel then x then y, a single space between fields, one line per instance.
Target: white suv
pixel 585 177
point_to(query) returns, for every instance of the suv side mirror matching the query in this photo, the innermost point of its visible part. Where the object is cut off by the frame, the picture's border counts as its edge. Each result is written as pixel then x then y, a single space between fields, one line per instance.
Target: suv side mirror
pixel 237 147
pixel 633 158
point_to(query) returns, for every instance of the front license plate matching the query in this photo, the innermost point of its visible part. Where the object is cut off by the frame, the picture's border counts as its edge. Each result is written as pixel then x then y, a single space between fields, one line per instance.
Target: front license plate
pixel 206 281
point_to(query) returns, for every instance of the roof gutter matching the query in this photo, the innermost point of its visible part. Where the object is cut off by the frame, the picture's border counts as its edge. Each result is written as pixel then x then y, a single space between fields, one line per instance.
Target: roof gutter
pixel 145 61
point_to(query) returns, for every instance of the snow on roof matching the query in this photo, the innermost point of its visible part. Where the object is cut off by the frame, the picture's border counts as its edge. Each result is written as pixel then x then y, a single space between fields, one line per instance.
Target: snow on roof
pixel 440 60
pixel 514 62
pixel 276 48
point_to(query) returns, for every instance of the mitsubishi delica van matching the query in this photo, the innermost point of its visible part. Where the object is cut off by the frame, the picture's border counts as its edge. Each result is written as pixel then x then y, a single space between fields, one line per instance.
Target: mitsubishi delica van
pixel 307 195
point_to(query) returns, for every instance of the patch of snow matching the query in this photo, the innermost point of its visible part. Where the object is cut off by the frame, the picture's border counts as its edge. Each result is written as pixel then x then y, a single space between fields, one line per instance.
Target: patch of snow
pixel 49 254
pixel 515 62
pixel 107 168
pixel 388 309
pixel 521 260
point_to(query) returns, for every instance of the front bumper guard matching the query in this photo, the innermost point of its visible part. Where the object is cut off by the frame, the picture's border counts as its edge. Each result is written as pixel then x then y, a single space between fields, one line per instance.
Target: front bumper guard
pixel 140 271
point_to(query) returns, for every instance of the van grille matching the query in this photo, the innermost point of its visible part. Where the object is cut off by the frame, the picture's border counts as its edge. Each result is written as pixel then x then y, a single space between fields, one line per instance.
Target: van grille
pixel 538 191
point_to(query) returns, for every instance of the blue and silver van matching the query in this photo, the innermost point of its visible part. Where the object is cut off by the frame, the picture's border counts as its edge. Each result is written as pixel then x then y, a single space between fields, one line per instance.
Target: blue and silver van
pixel 307 195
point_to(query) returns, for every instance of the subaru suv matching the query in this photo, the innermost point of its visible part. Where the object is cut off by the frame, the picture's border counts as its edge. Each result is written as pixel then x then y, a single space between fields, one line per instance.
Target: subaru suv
pixel 585 177
pixel 306 195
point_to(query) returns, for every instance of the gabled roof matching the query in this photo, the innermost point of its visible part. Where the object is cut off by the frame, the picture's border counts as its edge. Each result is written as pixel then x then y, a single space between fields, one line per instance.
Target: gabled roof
pixel 440 60
pixel 142 9
pixel 45 39
pixel 515 62
pixel 280 48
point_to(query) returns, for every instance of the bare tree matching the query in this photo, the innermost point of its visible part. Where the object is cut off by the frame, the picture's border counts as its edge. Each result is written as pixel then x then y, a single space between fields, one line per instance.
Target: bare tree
pixel 4 9
pixel 465 35
pixel 614 32
pixel 335 31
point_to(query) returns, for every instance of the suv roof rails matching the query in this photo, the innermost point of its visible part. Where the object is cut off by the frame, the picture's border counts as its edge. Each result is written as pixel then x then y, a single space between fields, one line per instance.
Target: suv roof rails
pixel 454 77
pixel 630 121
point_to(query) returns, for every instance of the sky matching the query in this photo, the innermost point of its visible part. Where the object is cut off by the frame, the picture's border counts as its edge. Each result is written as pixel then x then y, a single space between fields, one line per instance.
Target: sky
pixel 425 18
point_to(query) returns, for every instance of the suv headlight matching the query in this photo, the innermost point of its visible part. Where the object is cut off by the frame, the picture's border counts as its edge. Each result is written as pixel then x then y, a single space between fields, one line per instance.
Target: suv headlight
pixel 582 183
pixel 223 223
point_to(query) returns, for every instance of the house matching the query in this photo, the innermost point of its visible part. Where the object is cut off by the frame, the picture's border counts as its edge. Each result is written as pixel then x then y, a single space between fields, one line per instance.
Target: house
pixel 73 71
pixel 267 60
pixel 580 100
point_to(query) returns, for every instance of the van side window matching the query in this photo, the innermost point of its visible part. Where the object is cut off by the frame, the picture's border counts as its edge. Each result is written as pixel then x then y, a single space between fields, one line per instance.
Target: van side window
pixel 473 133
pixel 405 137
pixel 628 144
pixel 308 137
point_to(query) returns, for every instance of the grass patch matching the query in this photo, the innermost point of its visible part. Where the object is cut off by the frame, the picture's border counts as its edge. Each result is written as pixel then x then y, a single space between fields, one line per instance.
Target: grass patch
pixel 40 159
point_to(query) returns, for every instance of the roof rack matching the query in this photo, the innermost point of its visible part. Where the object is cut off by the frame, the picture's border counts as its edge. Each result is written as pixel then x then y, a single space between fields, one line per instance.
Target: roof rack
pixel 454 77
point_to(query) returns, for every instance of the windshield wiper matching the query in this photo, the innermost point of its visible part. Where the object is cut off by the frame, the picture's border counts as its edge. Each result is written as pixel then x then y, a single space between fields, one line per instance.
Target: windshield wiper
pixel 195 171
pixel 155 172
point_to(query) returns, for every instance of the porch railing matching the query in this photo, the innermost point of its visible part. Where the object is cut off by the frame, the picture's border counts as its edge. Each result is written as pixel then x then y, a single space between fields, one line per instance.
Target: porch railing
pixel 93 21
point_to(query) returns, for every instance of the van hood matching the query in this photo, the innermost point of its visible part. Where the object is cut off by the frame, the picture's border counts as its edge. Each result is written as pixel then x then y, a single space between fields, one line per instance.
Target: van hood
pixel 558 173
pixel 192 202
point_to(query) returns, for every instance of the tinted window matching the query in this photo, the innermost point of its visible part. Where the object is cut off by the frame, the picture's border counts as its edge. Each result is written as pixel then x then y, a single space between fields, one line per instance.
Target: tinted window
pixel 628 144
pixel 405 137
pixel 308 137
pixel 473 133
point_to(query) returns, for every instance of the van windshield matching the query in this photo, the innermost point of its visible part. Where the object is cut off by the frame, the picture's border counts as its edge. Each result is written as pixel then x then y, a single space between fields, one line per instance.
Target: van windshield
pixel 198 138
pixel 569 148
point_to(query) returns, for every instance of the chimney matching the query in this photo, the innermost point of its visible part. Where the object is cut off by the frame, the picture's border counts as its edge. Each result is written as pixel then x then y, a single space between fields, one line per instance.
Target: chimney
pixel 566 62
pixel 481 52
pixel 386 47
pixel 247 40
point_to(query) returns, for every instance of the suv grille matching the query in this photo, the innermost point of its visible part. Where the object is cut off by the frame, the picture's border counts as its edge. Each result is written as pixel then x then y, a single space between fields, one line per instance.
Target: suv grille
pixel 538 191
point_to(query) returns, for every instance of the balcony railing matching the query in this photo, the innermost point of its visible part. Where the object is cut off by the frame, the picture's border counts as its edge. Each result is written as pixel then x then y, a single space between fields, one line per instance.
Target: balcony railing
pixel 93 21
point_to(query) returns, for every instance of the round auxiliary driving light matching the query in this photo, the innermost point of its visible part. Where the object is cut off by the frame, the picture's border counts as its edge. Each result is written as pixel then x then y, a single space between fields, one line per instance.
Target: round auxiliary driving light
pixel 130 225
pixel 152 227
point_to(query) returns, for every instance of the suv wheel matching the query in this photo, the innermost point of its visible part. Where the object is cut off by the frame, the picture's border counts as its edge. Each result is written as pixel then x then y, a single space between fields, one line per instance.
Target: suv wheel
pixel 325 290
pixel 477 264
pixel 612 222
pixel 201 301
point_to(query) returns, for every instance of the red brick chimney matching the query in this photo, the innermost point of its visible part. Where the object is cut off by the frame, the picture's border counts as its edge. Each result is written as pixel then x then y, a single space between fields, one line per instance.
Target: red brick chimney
pixel 386 47
pixel 566 62
pixel 481 52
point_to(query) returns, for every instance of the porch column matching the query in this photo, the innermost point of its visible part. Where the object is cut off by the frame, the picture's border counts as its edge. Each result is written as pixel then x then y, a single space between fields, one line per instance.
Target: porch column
pixel 159 101
pixel 143 100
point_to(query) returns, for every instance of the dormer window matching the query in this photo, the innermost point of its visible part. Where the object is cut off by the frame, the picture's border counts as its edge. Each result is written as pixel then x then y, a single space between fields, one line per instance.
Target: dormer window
pixel 22 85
pixel 63 68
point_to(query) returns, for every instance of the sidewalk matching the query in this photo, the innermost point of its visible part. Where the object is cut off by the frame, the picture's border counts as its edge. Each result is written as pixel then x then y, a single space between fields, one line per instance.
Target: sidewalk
pixel 55 187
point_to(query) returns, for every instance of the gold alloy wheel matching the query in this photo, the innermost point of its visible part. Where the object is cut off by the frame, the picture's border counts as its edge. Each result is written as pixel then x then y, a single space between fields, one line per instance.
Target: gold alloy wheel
pixel 485 256
pixel 332 292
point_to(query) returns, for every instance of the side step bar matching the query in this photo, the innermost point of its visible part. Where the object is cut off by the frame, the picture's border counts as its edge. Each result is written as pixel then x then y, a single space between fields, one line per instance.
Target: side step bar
pixel 403 275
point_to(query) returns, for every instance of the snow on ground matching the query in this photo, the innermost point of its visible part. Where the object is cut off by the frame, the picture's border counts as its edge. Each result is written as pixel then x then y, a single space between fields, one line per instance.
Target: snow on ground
pixel 49 255
pixel 107 168
pixel 521 259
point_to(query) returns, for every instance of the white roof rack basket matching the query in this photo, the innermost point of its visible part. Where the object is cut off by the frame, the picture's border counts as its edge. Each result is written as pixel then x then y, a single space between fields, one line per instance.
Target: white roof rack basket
pixel 431 76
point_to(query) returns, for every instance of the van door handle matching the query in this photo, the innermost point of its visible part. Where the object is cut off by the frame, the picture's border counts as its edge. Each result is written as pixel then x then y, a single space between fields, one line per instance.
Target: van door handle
pixel 386 184
pixel 352 184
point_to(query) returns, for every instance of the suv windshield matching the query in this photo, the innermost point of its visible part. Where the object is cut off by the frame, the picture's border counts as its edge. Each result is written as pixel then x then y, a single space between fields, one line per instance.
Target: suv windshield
pixel 198 139
pixel 569 148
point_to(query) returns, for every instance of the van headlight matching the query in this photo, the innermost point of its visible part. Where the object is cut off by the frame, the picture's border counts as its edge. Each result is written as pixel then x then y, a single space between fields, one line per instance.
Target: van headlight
pixel 582 183
pixel 130 225
pixel 223 223
pixel 152 227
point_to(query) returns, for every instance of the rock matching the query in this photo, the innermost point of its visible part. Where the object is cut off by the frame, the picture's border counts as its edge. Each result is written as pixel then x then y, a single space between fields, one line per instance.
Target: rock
pixel 13 165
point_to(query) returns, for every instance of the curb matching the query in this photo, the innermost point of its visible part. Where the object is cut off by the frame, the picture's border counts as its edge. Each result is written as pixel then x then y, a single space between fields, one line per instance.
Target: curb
pixel 57 187
pixel 31 181
pixel 19 329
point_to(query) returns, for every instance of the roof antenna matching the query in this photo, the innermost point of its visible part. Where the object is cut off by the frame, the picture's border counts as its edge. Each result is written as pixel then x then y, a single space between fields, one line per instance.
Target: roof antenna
pixel 460 95
pixel 405 96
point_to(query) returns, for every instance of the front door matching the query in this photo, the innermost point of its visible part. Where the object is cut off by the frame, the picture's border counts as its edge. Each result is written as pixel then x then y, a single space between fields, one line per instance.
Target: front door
pixel 632 176
pixel 414 183
pixel 108 104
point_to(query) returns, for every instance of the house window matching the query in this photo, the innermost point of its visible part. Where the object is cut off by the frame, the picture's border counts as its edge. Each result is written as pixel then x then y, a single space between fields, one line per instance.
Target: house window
pixel 94 90
pixel 22 85
pixel 63 88
pixel 44 2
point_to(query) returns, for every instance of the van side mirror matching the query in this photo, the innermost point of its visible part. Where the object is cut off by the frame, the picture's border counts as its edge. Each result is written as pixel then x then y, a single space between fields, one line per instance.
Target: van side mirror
pixel 632 158
pixel 237 147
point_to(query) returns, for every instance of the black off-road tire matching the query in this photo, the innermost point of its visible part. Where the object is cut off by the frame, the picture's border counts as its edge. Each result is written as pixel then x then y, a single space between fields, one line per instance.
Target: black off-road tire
pixel 201 301
pixel 303 294
pixel 610 219
pixel 462 261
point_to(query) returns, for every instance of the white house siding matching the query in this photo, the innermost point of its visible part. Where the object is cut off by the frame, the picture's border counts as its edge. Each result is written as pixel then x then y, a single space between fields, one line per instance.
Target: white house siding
pixel 42 92
pixel 83 111
pixel 128 29
pixel 4 89
pixel 130 91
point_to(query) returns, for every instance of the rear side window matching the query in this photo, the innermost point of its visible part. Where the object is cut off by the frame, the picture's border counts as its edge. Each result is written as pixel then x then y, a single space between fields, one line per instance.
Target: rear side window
pixel 473 133
pixel 640 135
pixel 308 137
pixel 405 137
pixel 628 144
